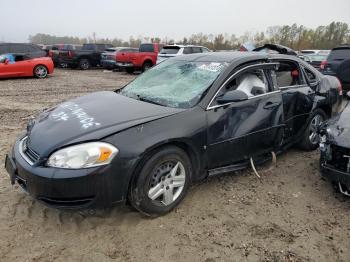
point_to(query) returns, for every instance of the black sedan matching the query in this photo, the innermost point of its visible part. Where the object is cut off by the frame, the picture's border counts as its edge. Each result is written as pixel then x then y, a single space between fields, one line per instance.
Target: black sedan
pixel 335 150
pixel 188 118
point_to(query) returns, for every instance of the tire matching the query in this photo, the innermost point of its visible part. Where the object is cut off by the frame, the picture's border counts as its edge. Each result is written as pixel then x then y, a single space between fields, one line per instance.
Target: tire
pixel 154 191
pixel 310 139
pixel 146 66
pixel 84 64
pixel 40 71
pixel 130 70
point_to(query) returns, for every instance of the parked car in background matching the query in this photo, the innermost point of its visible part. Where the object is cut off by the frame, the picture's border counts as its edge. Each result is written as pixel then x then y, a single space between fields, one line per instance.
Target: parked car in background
pixel 109 57
pixel 20 65
pixel 335 151
pixel 28 50
pixel 143 59
pixel 46 48
pixel 315 52
pixel 338 64
pixel 169 51
pixel 61 52
pixel 187 118
pixel 314 59
pixel 88 56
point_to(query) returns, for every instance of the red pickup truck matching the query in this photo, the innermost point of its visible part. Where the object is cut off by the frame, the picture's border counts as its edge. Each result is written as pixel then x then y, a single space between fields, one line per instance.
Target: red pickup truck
pixel 143 59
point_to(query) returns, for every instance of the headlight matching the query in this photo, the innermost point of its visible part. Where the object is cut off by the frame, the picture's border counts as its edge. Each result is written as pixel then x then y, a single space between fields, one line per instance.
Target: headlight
pixel 83 156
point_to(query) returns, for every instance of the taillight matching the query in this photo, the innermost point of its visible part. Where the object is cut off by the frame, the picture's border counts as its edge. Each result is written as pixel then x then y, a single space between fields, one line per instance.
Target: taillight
pixel 340 88
pixel 50 53
pixel 323 64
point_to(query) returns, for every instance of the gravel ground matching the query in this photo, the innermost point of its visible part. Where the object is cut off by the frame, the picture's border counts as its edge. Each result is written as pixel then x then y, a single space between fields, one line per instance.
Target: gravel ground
pixel 288 215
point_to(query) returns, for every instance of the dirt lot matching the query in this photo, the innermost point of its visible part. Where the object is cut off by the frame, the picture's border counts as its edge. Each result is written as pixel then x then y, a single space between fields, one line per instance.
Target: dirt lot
pixel 290 215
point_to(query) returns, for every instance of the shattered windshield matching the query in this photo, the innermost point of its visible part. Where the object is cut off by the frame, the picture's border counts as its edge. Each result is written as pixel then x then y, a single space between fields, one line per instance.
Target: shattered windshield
pixel 179 84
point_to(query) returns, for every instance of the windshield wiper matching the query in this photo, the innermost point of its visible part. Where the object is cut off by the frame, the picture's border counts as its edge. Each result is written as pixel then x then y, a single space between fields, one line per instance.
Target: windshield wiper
pixel 145 99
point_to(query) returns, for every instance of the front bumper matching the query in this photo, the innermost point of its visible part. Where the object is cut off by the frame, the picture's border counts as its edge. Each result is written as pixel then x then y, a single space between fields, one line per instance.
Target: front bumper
pixel 64 188
pixel 125 65
pixel 339 178
pixel 108 64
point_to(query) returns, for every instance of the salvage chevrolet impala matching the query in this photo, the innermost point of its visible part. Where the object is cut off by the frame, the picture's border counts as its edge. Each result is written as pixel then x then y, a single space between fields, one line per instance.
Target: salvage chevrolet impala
pixel 187 118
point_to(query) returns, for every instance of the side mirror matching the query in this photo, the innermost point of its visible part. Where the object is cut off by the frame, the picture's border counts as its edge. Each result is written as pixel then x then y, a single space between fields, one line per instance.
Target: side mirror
pixel 7 61
pixel 232 96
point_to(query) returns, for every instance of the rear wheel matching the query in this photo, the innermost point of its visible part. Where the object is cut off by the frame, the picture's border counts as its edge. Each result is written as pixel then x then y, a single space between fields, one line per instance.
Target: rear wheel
pixel 311 138
pixel 162 182
pixel 84 64
pixel 40 71
pixel 146 66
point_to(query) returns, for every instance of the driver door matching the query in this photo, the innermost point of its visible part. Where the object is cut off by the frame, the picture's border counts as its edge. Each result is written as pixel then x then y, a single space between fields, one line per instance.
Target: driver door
pixel 244 129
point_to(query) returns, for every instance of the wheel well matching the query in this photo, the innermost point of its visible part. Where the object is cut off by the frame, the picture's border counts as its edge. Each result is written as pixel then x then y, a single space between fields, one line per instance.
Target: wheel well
pixel 40 65
pixel 327 109
pixel 147 61
pixel 192 155
pixel 84 57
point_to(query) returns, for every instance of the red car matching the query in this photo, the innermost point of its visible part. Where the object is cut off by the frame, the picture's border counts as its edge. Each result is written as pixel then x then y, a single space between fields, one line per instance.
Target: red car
pixel 143 59
pixel 19 65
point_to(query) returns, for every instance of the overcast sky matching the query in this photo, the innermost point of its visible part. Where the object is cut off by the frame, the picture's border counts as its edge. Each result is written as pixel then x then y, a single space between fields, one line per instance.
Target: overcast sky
pixel 174 19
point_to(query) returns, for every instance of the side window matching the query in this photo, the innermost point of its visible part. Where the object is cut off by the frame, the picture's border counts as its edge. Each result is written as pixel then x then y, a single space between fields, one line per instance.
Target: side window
pixel 17 48
pixel 196 49
pixel 253 82
pixel 310 76
pixel 288 74
pixel 204 50
pixel 187 50
pixel 147 48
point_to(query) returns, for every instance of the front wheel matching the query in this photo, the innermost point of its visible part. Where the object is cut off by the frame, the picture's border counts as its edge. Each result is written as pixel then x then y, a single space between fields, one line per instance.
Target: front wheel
pixel 162 182
pixel 40 71
pixel 84 64
pixel 311 138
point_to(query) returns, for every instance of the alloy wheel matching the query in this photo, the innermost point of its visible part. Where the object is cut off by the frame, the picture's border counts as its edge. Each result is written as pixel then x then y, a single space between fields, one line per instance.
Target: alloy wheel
pixel 167 183
pixel 315 123
pixel 41 71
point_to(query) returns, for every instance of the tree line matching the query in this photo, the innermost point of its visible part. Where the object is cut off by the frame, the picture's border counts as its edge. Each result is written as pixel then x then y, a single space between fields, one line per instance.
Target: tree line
pixel 295 36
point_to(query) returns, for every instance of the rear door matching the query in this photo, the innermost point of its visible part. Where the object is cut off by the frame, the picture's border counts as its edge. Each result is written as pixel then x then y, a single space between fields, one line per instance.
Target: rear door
pixel 297 96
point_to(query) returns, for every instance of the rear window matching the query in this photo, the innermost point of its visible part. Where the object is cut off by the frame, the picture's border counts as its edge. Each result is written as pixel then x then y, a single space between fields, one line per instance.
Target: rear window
pixel 316 58
pixel 339 54
pixel 307 52
pixel 112 49
pixel 170 50
pixel 147 48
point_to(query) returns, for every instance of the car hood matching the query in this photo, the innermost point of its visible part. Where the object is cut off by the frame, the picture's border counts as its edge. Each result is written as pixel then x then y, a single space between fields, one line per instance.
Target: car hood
pixel 89 118
pixel 338 128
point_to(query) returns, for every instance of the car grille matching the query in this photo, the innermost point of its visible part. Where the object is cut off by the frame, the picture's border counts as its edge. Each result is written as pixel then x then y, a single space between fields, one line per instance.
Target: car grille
pixel 28 154
pixel 340 159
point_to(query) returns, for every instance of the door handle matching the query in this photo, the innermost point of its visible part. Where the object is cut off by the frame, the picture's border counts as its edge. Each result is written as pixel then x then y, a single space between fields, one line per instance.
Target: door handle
pixel 270 105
